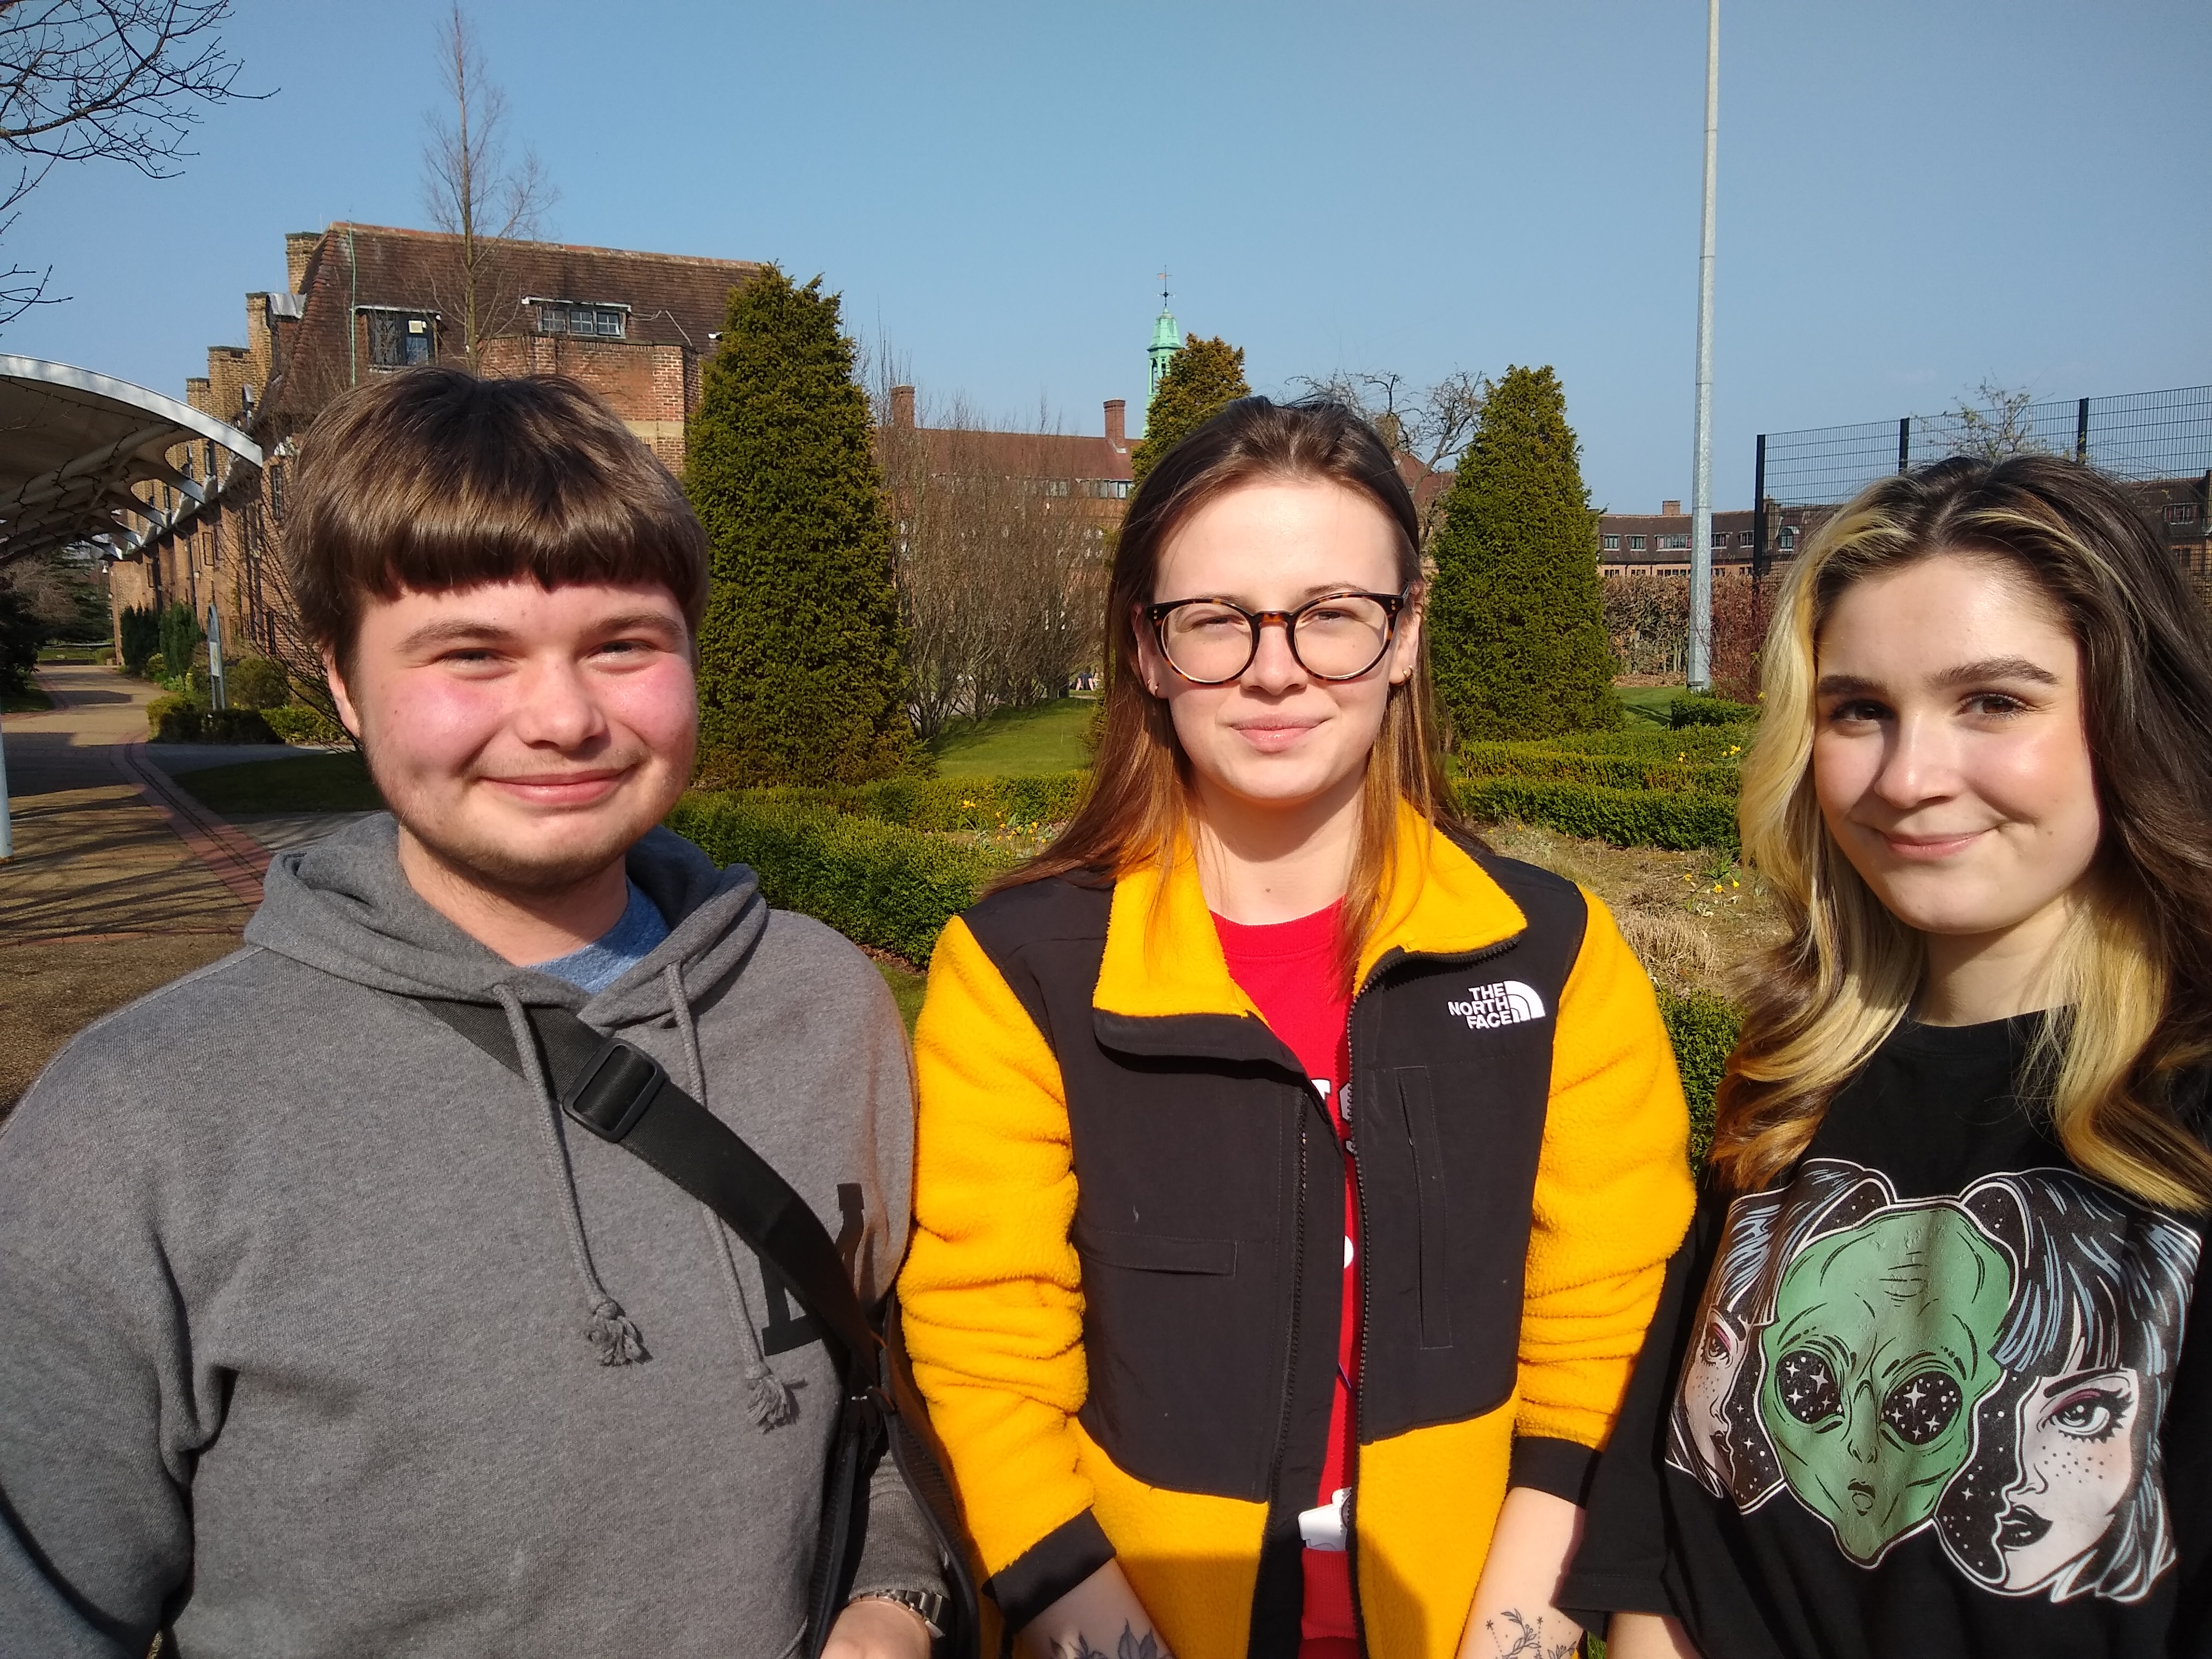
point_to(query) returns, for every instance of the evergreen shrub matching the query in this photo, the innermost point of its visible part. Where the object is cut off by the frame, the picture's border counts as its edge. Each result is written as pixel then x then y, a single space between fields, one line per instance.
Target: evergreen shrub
pixel 298 723
pixel 800 679
pixel 876 883
pixel 1703 709
pixel 256 683
pixel 180 633
pixel 180 720
pixel 138 636
pixel 1202 380
pixel 1703 1029
pixel 942 805
pixel 1515 620
pixel 1675 820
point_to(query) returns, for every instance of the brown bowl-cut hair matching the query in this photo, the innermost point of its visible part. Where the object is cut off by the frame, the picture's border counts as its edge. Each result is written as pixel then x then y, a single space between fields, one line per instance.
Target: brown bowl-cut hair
pixel 1138 807
pixel 2132 976
pixel 431 479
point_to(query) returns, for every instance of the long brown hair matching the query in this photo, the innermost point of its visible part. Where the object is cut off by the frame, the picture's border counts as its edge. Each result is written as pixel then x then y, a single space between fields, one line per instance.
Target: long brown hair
pixel 2134 967
pixel 1139 800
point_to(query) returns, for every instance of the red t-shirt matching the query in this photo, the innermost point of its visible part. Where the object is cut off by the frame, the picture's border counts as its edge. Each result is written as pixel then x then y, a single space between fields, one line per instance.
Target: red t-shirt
pixel 1288 969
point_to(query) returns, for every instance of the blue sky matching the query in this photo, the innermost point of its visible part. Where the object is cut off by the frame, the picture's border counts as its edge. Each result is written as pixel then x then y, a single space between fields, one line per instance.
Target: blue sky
pixel 1916 194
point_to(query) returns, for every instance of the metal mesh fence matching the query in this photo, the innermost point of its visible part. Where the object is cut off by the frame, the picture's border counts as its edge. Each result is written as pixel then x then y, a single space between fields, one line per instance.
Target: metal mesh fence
pixel 2140 435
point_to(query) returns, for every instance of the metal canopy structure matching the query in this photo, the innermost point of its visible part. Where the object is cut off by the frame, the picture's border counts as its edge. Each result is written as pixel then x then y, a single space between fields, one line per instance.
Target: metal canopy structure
pixel 72 444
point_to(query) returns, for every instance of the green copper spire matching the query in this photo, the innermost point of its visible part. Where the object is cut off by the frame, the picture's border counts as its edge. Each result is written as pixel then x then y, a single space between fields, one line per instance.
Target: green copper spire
pixel 1167 337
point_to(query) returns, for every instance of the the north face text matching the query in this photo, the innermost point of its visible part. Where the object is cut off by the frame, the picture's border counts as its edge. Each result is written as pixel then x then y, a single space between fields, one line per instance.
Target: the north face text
pixel 1509 1002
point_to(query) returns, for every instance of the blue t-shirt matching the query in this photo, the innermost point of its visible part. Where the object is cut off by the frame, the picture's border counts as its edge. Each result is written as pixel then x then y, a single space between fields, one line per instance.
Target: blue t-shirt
pixel 615 952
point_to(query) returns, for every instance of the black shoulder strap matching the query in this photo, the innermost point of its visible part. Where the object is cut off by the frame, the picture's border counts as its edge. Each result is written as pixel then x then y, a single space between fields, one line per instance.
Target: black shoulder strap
pixel 622 1094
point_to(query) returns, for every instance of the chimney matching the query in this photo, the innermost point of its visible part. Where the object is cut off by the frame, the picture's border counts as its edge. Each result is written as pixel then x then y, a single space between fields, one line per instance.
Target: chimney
pixel 1117 423
pixel 1670 510
pixel 903 405
pixel 299 247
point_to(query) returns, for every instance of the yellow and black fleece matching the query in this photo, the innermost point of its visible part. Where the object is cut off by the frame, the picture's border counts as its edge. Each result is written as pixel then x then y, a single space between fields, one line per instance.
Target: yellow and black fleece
pixel 1122 1296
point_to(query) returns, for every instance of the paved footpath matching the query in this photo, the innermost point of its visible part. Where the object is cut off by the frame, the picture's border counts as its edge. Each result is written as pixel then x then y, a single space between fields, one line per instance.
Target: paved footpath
pixel 120 881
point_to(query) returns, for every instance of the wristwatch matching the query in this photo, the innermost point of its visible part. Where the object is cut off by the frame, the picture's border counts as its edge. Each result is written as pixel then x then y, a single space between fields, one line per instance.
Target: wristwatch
pixel 925 1605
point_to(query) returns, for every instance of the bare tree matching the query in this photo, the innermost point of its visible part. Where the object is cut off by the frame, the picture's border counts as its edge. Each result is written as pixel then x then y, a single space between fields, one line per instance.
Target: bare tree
pixel 2003 424
pixel 1000 566
pixel 471 190
pixel 101 80
pixel 1426 426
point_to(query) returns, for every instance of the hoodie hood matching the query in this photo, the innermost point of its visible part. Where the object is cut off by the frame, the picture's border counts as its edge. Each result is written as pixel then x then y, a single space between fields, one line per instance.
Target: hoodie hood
pixel 344 907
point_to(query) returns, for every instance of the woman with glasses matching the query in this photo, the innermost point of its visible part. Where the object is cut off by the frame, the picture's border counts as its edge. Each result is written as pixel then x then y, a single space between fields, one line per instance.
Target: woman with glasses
pixel 1295 1177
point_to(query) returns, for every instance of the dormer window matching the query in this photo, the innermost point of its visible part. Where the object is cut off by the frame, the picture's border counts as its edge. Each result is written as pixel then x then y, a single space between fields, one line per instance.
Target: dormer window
pixel 399 339
pixel 592 321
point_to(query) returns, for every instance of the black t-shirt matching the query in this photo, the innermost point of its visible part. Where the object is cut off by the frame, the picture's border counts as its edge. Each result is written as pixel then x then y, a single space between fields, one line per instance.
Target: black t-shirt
pixel 1931 1395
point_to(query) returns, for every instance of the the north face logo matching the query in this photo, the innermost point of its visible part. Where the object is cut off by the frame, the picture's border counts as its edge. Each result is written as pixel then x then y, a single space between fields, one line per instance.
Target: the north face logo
pixel 1509 1002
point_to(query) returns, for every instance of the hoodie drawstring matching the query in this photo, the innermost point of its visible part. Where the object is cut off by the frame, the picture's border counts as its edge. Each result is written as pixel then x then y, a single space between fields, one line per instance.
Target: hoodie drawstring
pixel 770 1398
pixel 609 1330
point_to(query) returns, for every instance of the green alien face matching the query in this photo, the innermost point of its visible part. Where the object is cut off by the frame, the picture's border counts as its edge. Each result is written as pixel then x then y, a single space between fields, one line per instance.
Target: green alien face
pixel 1878 1352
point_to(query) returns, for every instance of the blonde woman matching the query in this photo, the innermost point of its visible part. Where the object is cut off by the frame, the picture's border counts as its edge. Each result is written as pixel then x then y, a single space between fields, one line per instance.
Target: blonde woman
pixel 1295 1177
pixel 1941 1392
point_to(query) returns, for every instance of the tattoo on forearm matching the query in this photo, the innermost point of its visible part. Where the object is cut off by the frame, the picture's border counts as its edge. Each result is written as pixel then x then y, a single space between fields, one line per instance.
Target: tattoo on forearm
pixel 1131 1646
pixel 1524 1640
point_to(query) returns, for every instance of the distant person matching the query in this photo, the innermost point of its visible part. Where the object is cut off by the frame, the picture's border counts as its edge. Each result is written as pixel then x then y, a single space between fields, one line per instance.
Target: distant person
pixel 1296 1176
pixel 326 1333
pixel 1934 1375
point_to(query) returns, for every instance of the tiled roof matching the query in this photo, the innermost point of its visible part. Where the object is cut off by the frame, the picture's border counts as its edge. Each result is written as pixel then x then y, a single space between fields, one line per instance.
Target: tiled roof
pixel 674 299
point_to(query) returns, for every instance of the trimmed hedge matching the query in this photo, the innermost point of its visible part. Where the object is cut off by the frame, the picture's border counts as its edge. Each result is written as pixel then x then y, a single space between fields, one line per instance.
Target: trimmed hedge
pixel 1675 820
pixel 179 719
pixel 297 723
pixel 876 883
pixel 1703 1029
pixel 1540 760
pixel 1702 709
pixel 1692 744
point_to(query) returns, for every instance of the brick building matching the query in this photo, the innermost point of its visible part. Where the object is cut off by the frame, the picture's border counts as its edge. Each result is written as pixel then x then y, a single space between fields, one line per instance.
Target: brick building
pixel 1658 544
pixel 366 299
pixel 1091 475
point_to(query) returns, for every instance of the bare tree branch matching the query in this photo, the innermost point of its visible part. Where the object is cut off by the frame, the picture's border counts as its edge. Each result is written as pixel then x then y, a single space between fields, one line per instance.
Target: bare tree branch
pixel 102 79
pixel 472 192
pixel 1428 427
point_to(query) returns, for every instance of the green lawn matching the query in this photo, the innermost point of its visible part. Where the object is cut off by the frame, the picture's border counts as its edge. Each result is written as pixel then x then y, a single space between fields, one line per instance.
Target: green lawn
pixel 1646 704
pixel 906 990
pixel 80 653
pixel 310 783
pixel 1018 743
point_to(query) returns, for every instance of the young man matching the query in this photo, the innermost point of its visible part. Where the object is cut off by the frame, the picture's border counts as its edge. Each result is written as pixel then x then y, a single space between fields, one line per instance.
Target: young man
pixel 325 1332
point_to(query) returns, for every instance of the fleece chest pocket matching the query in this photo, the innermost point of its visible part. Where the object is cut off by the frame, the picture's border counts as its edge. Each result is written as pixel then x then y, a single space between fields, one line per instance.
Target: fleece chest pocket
pixel 1447 1153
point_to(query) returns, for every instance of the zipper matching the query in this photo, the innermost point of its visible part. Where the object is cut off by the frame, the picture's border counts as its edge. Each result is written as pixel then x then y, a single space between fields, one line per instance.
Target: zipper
pixel 1366 1279
pixel 1298 1299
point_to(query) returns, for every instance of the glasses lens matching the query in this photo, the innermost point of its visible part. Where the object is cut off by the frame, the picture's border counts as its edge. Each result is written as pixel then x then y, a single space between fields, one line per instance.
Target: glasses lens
pixel 1342 638
pixel 1208 642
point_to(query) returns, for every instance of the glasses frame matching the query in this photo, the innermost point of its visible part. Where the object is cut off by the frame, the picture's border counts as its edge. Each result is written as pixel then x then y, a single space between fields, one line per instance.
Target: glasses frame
pixel 1392 605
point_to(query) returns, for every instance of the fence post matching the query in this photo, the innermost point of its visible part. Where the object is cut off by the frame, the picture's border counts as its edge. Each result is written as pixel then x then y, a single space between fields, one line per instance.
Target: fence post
pixel 1758 514
pixel 1905 443
pixel 2081 431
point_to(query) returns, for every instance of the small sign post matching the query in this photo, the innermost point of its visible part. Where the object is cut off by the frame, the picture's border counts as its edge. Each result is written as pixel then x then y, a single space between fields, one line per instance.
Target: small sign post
pixel 215 657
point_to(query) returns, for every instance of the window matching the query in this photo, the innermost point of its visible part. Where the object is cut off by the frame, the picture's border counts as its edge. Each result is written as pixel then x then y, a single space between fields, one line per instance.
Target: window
pixel 399 339
pixel 1611 543
pixel 276 491
pixel 1674 543
pixel 1636 543
pixel 2181 513
pixel 1055 486
pixel 584 322
pixel 1787 541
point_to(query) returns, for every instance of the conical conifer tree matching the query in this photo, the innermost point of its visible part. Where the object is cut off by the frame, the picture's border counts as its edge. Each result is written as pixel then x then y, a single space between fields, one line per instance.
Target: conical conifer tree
pixel 1206 375
pixel 1517 631
pixel 799 672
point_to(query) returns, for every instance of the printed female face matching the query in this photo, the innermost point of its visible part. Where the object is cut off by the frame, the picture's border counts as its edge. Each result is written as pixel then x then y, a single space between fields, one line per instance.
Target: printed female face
pixel 1879 1352
pixel 1707 1381
pixel 2078 1459
pixel 1277 738
pixel 1950 755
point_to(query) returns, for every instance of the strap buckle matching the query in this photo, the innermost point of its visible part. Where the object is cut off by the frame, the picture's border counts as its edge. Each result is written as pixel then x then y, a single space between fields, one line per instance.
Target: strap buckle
pixel 613 1089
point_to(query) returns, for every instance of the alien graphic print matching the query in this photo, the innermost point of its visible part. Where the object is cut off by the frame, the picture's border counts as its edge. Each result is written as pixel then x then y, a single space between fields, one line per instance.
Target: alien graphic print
pixel 1994 1366
pixel 1933 1392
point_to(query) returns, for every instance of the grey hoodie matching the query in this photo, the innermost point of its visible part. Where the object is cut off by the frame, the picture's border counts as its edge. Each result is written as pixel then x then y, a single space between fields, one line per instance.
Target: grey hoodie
pixel 320 1335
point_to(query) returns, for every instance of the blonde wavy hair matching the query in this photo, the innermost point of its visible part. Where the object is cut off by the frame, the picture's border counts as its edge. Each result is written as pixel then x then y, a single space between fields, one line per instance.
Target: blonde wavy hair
pixel 2133 972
